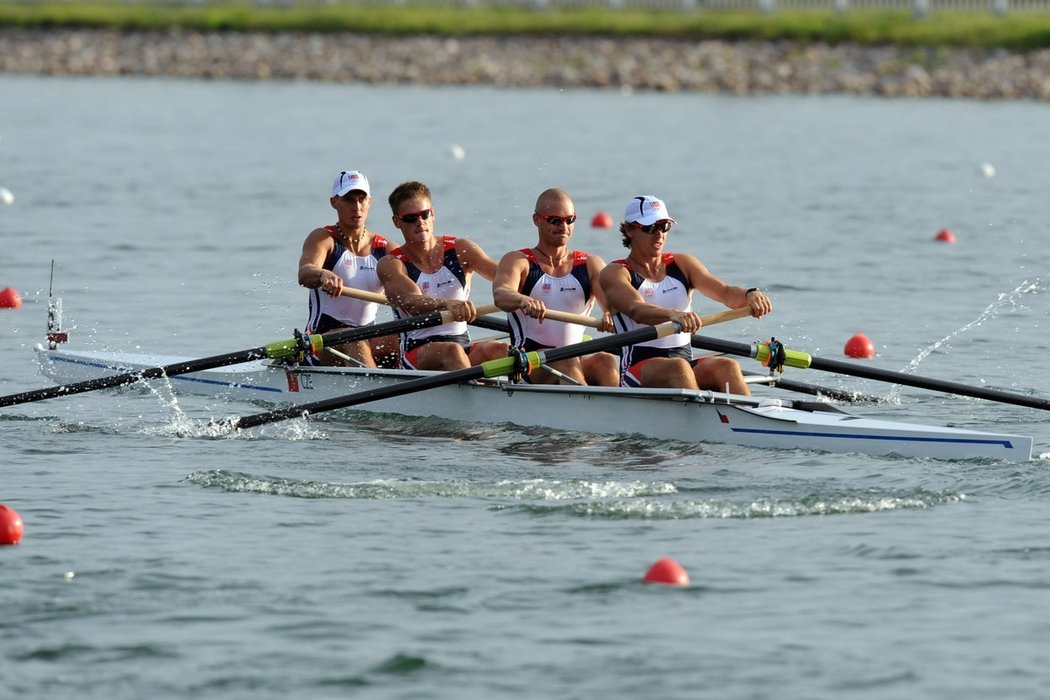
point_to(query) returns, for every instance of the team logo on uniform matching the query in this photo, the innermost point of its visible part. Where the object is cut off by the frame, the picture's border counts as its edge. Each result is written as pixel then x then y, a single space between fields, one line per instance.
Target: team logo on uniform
pixel 546 288
pixel 425 288
pixel 648 292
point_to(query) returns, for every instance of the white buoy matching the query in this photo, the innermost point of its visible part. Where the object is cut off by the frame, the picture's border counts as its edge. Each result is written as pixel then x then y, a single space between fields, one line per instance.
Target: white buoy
pixel 6 197
pixel 457 151
pixel 988 169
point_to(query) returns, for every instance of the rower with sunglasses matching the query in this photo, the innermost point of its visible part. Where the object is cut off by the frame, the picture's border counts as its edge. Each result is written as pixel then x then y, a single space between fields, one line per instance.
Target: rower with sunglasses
pixel 651 286
pixel 552 276
pixel 346 255
pixel 431 273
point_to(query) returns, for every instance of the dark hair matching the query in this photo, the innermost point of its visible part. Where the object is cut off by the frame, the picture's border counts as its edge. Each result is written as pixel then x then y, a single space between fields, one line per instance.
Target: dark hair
pixel 405 191
pixel 623 234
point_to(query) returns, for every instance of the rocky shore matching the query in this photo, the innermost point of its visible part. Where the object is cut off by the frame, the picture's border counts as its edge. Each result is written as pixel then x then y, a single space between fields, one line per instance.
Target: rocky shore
pixel 741 68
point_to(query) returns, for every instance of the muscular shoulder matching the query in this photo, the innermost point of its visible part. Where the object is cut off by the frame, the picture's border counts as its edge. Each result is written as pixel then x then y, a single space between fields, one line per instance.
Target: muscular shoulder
pixel 690 263
pixel 514 258
pixel 469 252
pixel 320 236
pixel 594 264
pixel 614 273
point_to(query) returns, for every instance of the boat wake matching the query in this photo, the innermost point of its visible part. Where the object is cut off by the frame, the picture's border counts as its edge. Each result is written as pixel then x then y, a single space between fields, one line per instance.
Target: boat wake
pixel 726 508
pixel 514 489
pixel 609 499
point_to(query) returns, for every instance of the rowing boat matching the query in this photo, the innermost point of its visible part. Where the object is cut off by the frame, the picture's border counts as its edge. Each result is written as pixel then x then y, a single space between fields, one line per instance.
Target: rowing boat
pixel 676 414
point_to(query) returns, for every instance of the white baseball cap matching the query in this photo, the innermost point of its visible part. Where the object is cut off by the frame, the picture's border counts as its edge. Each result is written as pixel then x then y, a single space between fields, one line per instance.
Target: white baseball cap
pixel 349 180
pixel 646 209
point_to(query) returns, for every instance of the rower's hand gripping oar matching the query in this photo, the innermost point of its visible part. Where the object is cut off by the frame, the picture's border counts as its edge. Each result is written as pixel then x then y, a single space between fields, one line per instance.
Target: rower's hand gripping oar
pixel 492 368
pixel 794 358
pixel 281 349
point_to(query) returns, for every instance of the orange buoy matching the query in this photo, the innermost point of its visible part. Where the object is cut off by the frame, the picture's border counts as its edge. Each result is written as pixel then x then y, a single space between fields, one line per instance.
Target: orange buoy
pixel 10 298
pixel 10 526
pixel 945 236
pixel 601 220
pixel 668 572
pixel 860 346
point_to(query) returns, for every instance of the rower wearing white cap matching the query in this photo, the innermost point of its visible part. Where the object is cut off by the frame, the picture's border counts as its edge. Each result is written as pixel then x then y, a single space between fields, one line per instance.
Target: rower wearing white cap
pixel 346 254
pixel 651 286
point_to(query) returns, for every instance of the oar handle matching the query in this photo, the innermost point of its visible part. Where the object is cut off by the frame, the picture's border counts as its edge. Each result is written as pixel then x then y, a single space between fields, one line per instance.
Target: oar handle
pixel 709 320
pixel 446 316
pixel 554 315
pixel 722 316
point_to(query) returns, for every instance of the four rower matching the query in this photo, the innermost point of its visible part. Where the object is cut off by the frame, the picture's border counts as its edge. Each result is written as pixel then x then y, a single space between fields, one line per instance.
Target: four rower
pixel 430 273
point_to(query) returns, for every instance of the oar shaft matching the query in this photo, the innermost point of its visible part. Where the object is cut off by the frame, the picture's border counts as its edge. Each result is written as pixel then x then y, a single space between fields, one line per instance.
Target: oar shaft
pixel 116 380
pixel 275 350
pixel 817 390
pixel 864 372
pixel 883 375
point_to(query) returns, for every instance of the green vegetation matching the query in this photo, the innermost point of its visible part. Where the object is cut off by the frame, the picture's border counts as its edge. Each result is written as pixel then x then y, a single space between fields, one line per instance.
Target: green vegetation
pixel 1019 32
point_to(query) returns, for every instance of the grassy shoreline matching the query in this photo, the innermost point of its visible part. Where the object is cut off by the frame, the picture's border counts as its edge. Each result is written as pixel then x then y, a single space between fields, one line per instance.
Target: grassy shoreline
pixel 1015 32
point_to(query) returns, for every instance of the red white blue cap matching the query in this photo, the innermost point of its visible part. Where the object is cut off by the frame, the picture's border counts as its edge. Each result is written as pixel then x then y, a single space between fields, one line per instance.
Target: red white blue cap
pixel 646 209
pixel 350 180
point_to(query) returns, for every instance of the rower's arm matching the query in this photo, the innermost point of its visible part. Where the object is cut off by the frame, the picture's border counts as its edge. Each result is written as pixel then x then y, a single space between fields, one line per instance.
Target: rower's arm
pixel 508 282
pixel 403 293
pixel 316 247
pixel 714 287
pixel 474 259
pixel 623 298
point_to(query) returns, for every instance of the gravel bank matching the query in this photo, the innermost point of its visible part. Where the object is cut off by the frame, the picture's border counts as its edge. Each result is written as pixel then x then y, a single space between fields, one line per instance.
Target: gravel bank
pixel 743 68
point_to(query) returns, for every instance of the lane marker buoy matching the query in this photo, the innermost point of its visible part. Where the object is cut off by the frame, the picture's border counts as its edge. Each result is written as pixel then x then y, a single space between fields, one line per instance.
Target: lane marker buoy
pixel 860 346
pixel 11 526
pixel 668 572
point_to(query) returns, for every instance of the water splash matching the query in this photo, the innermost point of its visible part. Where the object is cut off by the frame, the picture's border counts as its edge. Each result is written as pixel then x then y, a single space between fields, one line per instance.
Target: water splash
pixel 1007 301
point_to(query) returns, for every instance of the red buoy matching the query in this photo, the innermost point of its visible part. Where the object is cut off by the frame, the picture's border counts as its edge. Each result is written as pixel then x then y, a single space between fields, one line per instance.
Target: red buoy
pixel 668 572
pixel 10 526
pixel 859 346
pixel 945 236
pixel 10 298
pixel 601 220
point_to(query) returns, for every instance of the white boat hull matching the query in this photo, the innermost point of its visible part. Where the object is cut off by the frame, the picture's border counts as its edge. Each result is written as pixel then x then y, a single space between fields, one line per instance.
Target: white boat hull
pixel 675 414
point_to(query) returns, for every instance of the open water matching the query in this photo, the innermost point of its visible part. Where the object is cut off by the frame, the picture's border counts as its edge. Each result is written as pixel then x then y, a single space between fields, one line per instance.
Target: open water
pixel 357 556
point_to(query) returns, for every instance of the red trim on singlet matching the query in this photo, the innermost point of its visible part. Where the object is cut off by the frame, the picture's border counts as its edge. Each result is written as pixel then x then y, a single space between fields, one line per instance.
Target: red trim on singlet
pixel 579 257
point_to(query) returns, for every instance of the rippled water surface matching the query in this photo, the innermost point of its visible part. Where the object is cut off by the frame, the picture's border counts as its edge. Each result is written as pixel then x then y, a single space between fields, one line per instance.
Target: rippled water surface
pixel 372 555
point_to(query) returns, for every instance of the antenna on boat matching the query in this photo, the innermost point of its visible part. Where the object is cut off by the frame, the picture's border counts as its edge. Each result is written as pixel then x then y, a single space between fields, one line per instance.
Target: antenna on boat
pixel 55 334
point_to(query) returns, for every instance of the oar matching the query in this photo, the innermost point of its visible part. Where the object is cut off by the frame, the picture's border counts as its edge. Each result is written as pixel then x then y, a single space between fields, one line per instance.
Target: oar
pixel 276 350
pixel 795 358
pixel 817 390
pixel 501 326
pixel 492 368
pixel 553 314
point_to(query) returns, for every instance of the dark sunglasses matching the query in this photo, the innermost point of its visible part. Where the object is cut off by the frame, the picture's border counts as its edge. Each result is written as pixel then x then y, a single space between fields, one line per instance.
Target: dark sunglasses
pixel 556 220
pixel 416 216
pixel 661 226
